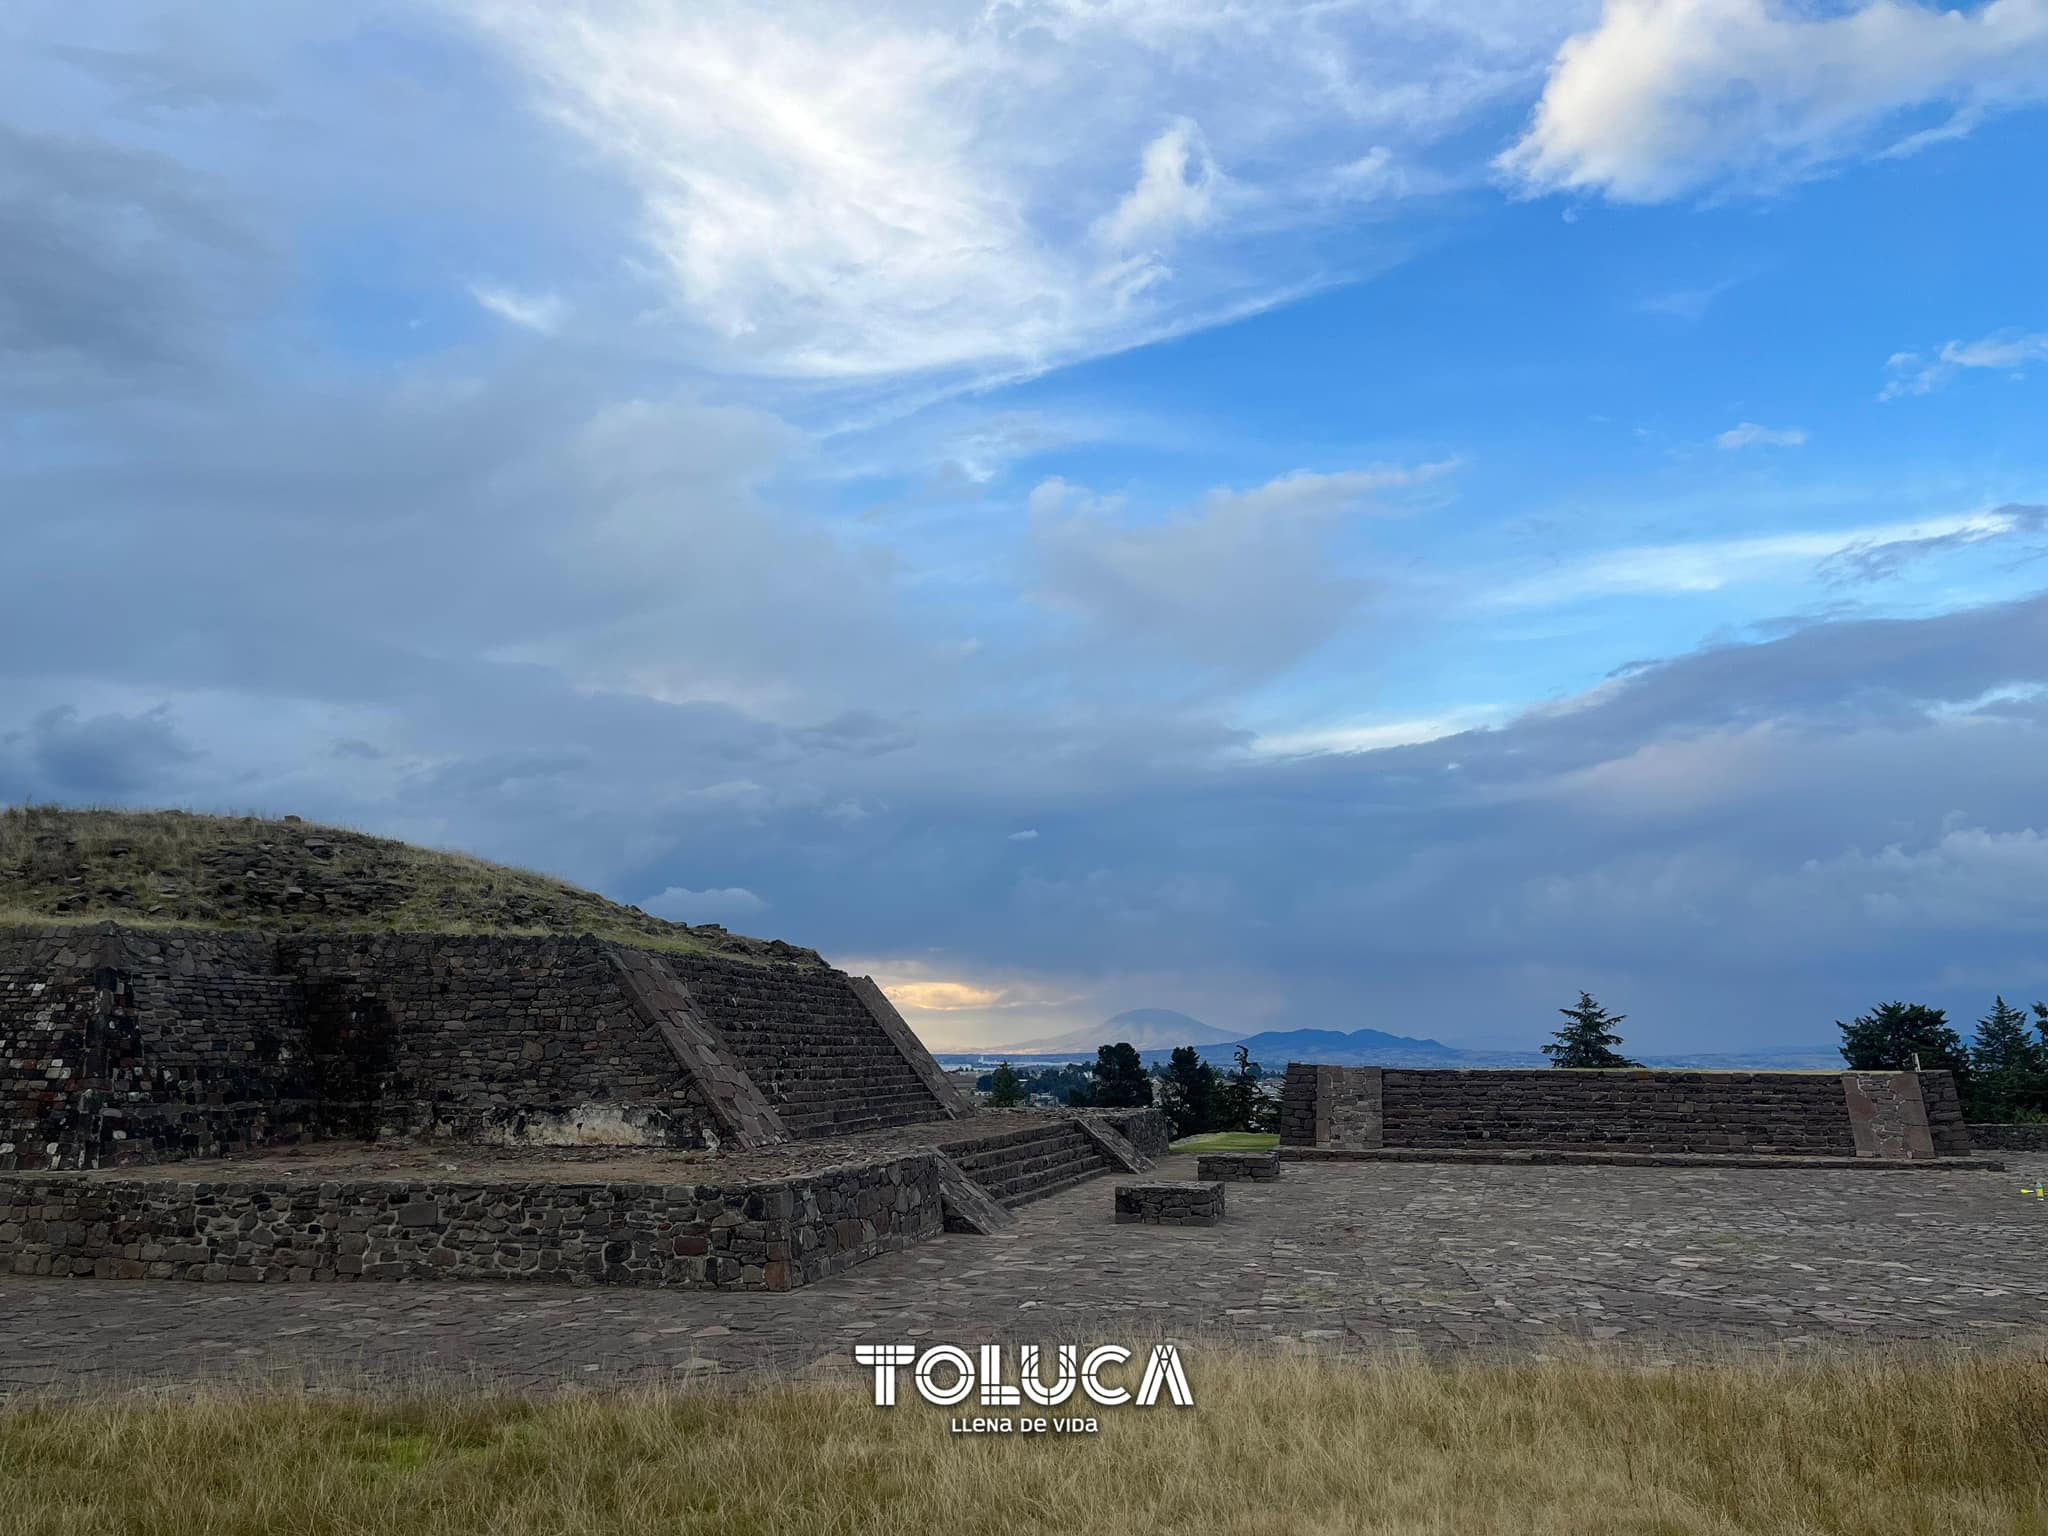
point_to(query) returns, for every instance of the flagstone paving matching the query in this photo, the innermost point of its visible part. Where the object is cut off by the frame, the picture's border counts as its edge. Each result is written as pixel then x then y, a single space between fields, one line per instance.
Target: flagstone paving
pixel 1333 1256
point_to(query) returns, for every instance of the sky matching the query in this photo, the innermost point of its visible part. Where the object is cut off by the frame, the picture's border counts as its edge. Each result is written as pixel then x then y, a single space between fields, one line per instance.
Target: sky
pixel 1320 515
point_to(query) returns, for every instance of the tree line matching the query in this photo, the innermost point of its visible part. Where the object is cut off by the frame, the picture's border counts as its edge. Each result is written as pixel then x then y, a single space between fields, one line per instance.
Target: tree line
pixel 1191 1092
pixel 2001 1074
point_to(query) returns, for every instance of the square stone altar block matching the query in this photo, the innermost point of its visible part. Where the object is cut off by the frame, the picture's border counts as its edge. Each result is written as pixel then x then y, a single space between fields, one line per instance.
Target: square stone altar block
pixel 1171 1202
pixel 1230 1166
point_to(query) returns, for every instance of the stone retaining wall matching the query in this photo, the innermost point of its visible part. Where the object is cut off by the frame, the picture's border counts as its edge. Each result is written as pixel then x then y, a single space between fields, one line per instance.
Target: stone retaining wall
pixel 2012 1138
pixel 769 1235
pixel 1796 1113
pixel 121 1046
pixel 1147 1130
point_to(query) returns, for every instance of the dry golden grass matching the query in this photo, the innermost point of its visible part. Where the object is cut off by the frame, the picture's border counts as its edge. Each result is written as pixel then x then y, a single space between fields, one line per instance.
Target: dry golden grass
pixel 1569 1448
pixel 176 869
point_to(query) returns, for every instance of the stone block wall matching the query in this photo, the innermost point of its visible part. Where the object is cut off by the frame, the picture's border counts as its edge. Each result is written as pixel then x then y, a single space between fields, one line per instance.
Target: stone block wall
pixel 48 1001
pixel 1147 1130
pixel 1628 1111
pixel 771 1235
pixel 2008 1138
pixel 122 1046
pixel 1298 1105
pixel 1171 1203
pixel 1332 1107
pixel 1944 1105
pixel 482 1038
pixel 1795 1113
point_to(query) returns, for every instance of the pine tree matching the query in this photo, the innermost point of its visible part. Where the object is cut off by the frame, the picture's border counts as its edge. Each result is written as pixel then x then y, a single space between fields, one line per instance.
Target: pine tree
pixel 1005 1089
pixel 1589 1039
pixel 2008 1069
pixel 1892 1036
pixel 1241 1095
pixel 1190 1092
pixel 1120 1080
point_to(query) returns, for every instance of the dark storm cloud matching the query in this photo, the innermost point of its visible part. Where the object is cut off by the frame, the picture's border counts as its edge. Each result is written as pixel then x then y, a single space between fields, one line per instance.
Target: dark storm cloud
pixel 62 755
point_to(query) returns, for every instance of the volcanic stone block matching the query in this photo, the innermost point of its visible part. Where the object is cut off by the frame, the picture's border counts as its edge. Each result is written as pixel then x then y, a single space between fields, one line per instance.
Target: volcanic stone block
pixel 1232 1167
pixel 1171 1203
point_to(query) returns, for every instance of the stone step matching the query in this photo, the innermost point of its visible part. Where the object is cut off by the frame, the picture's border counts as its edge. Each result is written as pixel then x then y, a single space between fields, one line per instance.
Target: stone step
pixel 1036 1132
pixel 1026 1158
pixel 1040 1191
pixel 1032 1162
pixel 1022 1191
pixel 1025 1154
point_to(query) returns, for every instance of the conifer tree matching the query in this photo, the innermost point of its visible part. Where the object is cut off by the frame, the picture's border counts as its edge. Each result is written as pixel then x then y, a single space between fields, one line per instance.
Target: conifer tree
pixel 2008 1068
pixel 1120 1080
pixel 1191 1093
pixel 1892 1037
pixel 1589 1039
pixel 1005 1089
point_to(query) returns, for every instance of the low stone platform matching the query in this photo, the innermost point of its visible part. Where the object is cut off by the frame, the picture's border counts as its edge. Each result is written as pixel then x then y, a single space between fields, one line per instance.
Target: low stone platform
pixel 1575 1157
pixel 1171 1202
pixel 764 1233
pixel 770 1218
pixel 1238 1167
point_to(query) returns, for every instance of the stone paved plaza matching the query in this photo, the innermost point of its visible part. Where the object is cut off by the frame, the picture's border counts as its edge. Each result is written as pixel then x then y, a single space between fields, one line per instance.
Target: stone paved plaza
pixel 1339 1256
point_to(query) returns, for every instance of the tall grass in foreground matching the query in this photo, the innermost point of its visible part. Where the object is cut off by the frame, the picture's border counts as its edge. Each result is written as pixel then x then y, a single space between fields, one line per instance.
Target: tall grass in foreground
pixel 1299 1445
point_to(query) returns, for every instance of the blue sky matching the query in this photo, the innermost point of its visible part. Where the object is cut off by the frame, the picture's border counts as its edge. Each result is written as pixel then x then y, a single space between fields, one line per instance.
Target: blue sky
pixel 1327 515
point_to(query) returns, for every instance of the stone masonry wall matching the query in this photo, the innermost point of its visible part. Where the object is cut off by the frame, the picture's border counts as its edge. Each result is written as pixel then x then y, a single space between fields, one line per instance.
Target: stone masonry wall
pixel 1630 1111
pixel 491 1039
pixel 773 1235
pixel 1944 1114
pixel 1640 1111
pixel 47 1004
pixel 2009 1138
pixel 1148 1130
pixel 1298 1105
pixel 122 1046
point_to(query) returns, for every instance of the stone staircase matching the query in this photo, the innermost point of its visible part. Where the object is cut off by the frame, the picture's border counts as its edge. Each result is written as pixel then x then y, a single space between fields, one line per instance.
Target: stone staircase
pixel 811 1046
pixel 1029 1163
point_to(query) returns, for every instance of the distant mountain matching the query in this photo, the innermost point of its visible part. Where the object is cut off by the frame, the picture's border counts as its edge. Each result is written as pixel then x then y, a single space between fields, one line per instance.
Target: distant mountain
pixel 1361 1048
pixel 1147 1029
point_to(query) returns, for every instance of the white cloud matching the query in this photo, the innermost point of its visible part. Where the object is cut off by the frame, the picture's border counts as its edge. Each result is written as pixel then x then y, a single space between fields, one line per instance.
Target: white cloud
pixel 1915 374
pixel 1749 435
pixel 858 192
pixel 1713 564
pixel 543 312
pixel 681 905
pixel 1374 737
pixel 1175 190
pixel 1028 835
pixel 1666 96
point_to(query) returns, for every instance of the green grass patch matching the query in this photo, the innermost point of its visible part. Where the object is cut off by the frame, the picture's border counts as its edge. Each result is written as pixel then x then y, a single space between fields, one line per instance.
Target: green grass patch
pixel 1228 1141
